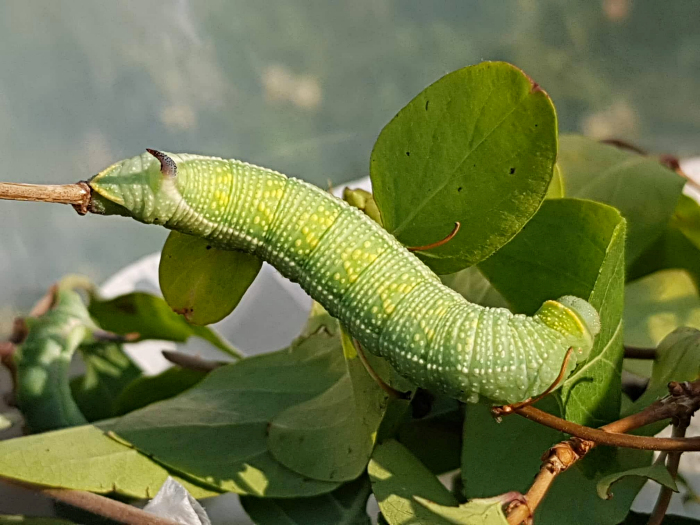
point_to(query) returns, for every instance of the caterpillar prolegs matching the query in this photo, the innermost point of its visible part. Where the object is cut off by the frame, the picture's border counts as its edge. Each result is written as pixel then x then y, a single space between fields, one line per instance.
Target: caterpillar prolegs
pixel 392 303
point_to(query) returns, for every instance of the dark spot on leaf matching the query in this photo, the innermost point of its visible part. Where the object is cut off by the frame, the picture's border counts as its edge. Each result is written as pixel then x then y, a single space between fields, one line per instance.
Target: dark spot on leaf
pixel 427 102
pixel 209 246
pixel 408 153
pixel 536 125
pixel 267 428
pixel 125 305
pixel 459 189
pixel 156 219
pixel 349 450
pixel 185 312
pixel 512 170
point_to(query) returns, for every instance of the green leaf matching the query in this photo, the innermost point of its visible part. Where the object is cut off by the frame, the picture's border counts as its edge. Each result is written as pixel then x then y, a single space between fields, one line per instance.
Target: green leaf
pixel 201 282
pixel 501 457
pixel 656 471
pixel 471 284
pixel 216 431
pixel 150 317
pixel 364 201
pixel 686 219
pixel 677 359
pixel 397 478
pixel 671 250
pixel 559 252
pixel 84 458
pixel 487 511
pixel 642 189
pixel 342 423
pixel 149 389
pixel 572 247
pixel 513 437
pixel 678 247
pixel 108 372
pixel 478 146
pixel 658 304
pixel 556 188
pixel 635 518
pixel 344 506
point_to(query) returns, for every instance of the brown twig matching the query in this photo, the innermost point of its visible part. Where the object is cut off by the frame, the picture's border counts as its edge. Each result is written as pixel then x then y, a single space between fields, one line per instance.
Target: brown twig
pixel 633 352
pixel 96 504
pixel 438 243
pixel 622 144
pixel 680 405
pixel 672 461
pixel 191 362
pixel 77 194
pixel 607 435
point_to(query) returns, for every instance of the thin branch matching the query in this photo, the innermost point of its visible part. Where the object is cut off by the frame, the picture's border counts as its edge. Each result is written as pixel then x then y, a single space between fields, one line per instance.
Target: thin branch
pixel 633 352
pixel 602 436
pixel 680 405
pixel 662 502
pixel 77 194
pixel 99 505
pixel 191 362
pixel 622 144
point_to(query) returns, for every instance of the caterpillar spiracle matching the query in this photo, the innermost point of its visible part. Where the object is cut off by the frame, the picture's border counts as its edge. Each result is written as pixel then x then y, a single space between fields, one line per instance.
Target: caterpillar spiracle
pixel 391 302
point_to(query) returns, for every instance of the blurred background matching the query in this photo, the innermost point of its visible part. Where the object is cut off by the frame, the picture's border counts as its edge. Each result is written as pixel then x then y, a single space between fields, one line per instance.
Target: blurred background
pixel 302 86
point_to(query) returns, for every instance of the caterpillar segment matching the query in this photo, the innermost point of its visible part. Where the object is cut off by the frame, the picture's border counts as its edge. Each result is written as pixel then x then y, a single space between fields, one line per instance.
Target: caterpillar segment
pixel 391 302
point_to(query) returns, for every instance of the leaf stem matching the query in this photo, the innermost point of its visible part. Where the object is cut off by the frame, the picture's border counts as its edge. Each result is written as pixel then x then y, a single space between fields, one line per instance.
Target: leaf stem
pixel 439 243
pixel 99 505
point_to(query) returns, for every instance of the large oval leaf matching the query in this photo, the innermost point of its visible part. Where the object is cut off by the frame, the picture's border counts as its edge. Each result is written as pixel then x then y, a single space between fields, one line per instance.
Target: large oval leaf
pixel 216 431
pixel 201 282
pixel 642 189
pixel 85 458
pixel 572 247
pixel 397 478
pixel 343 422
pixel 478 146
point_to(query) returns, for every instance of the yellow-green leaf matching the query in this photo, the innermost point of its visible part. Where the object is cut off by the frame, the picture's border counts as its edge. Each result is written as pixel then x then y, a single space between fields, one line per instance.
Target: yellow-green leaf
pixel 201 282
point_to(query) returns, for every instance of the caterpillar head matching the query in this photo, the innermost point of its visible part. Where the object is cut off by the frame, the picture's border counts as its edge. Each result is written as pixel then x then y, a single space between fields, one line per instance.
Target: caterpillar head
pixel 147 187
pixel 576 319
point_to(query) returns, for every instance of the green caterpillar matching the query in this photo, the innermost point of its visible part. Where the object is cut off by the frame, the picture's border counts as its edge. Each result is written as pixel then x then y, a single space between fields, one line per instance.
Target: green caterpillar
pixel 42 363
pixel 393 304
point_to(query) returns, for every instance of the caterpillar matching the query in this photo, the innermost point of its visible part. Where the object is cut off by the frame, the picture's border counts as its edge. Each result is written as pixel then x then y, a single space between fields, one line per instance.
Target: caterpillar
pixel 42 362
pixel 391 302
